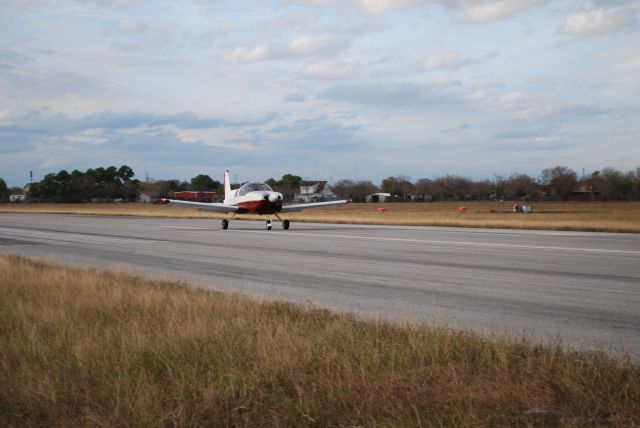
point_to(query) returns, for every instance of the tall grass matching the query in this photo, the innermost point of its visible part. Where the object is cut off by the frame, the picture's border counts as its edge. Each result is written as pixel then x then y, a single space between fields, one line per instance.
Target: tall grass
pixel 89 348
pixel 597 217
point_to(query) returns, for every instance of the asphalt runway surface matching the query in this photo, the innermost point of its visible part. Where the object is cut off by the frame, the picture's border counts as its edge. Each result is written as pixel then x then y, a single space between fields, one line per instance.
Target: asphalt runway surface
pixel 580 288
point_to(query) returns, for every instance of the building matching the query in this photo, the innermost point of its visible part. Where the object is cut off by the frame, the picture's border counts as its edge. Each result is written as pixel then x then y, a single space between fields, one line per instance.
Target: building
pixel 314 191
pixel 584 193
pixel 379 197
pixel 196 196
pixel 17 198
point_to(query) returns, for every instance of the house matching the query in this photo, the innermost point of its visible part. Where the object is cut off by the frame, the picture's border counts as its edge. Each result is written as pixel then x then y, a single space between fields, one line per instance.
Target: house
pixel 584 193
pixel 379 197
pixel 17 198
pixel 314 191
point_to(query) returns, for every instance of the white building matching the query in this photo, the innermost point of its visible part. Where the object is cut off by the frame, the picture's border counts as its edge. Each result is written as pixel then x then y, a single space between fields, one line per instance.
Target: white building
pixel 378 197
pixel 314 191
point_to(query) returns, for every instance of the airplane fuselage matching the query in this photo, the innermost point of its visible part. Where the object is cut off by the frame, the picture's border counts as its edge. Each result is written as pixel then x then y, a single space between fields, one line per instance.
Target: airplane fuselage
pixel 254 198
pixel 258 203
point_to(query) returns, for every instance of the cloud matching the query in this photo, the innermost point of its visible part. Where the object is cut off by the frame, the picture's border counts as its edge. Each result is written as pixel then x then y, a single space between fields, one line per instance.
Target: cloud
pixel 450 61
pixel 295 98
pixel 300 47
pixel 490 10
pixel 473 10
pixel 130 25
pixel 388 95
pixel 317 45
pixel 460 128
pixel 440 60
pixel 328 70
pixel 530 106
pixel 598 21
pixel 383 6
pixel 149 141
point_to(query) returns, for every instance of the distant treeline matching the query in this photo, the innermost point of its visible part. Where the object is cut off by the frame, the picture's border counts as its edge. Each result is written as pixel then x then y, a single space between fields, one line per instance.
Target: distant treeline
pixel 559 183
pixel 106 184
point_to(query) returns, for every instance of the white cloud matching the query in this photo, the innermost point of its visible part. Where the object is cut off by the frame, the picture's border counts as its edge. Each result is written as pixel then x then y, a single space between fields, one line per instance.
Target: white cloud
pixel 316 45
pixel 491 10
pixel 631 65
pixel 440 60
pixel 328 70
pixel 382 6
pixel 258 53
pixel 475 10
pixel 598 21
pixel 299 47
pixel 130 25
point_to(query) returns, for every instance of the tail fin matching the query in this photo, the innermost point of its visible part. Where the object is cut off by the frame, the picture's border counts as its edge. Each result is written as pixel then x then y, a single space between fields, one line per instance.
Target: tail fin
pixel 227 185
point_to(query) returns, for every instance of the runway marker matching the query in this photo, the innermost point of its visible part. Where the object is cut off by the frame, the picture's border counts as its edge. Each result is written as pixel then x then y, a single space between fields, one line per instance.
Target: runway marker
pixel 427 241
pixel 185 227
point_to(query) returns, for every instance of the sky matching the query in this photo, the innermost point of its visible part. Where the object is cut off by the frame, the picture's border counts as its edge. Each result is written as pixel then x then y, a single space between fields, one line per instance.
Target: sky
pixel 324 89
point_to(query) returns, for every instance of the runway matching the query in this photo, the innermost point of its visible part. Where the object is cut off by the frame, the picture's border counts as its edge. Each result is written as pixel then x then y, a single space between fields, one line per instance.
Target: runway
pixel 582 288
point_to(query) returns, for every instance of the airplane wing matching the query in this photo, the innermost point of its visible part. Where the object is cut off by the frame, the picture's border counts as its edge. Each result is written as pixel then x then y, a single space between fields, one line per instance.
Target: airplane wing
pixel 300 207
pixel 204 206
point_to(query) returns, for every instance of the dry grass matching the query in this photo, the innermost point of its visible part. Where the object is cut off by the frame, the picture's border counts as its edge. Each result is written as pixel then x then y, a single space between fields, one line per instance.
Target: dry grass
pixel 596 217
pixel 84 348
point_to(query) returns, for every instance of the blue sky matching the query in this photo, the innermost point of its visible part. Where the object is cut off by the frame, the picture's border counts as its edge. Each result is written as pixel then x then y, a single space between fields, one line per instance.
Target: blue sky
pixel 325 89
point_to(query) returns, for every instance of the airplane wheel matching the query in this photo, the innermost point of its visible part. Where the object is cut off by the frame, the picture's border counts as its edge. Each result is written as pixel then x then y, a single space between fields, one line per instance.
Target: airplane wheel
pixel 225 224
pixel 268 225
pixel 285 225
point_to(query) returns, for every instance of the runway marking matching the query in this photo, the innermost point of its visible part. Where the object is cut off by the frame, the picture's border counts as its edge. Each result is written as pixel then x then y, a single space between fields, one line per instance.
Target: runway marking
pixel 433 241
pixel 63 238
pixel 185 227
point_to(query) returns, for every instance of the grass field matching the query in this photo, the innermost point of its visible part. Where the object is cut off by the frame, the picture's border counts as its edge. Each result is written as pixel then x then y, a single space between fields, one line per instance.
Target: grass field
pixel 597 217
pixel 88 348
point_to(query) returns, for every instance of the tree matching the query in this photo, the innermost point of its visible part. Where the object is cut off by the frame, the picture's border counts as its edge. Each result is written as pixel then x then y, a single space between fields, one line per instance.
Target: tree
pixel 423 189
pixel 77 186
pixel 354 190
pixel 287 185
pixel 4 191
pixel 272 182
pixel 560 180
pixel 291 181
pixel 204 183
pixel 398 186
pixel 451 188
pixel 521 186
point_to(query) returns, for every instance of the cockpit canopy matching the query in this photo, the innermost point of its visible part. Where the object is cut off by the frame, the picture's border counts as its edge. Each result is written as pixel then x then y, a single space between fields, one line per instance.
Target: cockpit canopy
pixel 253 187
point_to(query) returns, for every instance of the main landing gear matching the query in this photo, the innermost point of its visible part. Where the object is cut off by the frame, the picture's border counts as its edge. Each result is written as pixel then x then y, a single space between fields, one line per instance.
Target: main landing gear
pixel 269 224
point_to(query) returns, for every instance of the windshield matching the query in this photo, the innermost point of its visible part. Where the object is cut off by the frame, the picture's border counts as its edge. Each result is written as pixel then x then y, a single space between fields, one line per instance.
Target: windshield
pixel 253 187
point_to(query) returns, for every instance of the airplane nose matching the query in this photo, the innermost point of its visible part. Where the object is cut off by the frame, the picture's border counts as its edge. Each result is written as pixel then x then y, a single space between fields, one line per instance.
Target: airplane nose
pixel 274 198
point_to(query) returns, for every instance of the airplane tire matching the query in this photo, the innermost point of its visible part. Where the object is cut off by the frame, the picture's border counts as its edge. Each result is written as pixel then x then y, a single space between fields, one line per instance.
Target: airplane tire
pixel 225 224
pixel 268 225
pixel 285 225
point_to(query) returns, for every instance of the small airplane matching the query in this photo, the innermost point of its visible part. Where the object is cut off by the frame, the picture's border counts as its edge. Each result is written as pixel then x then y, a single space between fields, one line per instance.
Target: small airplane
pixel 252 198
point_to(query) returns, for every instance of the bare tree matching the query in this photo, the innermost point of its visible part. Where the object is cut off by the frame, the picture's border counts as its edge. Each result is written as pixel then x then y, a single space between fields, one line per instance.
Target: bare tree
pixel 560 180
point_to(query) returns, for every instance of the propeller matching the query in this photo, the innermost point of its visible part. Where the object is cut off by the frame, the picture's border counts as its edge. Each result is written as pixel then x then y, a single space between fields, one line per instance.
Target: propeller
pixel 274 197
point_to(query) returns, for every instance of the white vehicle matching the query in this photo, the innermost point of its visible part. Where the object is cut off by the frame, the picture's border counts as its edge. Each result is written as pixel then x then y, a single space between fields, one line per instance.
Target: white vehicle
pixel 252 198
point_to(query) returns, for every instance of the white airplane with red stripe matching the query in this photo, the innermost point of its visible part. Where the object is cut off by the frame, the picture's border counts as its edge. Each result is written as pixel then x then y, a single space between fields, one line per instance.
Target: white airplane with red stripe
pixel 252 198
